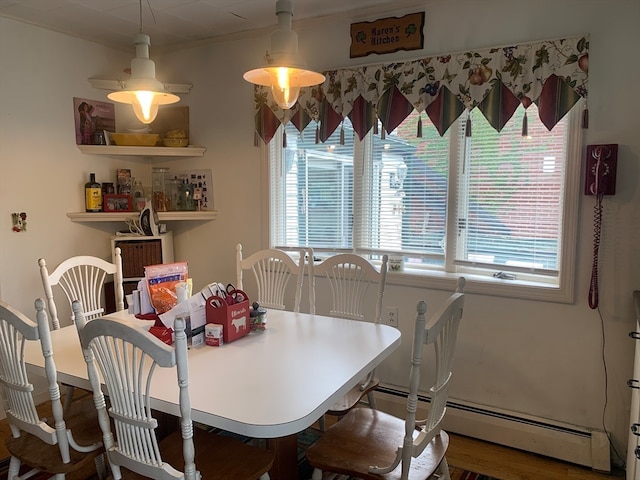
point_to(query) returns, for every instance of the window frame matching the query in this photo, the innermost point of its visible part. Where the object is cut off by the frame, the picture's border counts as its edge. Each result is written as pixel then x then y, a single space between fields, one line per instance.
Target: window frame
pixel 445 279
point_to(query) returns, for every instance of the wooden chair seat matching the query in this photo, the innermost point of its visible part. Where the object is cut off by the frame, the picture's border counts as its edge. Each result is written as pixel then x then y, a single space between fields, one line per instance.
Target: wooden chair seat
pixel 352 398
pixel 347 447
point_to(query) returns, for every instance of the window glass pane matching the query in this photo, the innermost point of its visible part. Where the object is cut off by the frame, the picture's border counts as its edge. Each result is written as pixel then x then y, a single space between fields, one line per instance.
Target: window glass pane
pixel 511 193
pixel 317 190
pixel 412 194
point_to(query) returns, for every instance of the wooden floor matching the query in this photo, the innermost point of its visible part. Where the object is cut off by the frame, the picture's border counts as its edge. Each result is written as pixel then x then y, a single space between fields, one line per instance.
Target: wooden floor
pixel 485 458
pixel 510 464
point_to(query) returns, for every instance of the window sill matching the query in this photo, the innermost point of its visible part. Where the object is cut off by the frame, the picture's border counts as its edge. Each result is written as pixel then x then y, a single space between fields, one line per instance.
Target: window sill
pixel 481 285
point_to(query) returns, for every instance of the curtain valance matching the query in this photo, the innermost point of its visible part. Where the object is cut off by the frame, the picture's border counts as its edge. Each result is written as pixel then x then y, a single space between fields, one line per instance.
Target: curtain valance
pixel 553 74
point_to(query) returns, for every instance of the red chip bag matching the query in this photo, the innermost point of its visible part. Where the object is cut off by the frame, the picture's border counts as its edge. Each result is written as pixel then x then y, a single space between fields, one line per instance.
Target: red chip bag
pixel 163 333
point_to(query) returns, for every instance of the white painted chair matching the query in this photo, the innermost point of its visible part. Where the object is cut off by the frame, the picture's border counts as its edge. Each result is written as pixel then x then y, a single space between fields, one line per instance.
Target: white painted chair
pixel 82 278
pixel 52 446
pixel 371 444
pixel 374 445
pixel 127 357
pixel 272 269
pixel 350 277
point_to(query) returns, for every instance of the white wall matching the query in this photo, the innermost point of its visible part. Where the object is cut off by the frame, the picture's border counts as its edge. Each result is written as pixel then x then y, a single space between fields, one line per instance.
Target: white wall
pixel 540 358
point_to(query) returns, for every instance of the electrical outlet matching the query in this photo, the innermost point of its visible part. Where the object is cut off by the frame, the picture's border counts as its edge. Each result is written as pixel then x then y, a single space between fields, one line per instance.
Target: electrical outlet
pixel 391 316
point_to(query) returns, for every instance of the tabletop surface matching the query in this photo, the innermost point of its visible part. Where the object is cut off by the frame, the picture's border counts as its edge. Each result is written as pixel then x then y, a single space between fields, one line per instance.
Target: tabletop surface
pixel 265 385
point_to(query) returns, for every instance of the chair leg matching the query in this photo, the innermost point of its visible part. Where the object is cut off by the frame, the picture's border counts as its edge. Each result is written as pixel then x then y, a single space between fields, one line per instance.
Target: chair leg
pixel 14 468
pixel 372 400
pixel 321 423
pixel 68 399
pixel 101 468
pixel 443 470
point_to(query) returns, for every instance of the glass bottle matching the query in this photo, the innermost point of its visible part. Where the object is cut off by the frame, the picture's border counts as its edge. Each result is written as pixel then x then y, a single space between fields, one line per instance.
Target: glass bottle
pixel 139 197
pixel 93 194
pixel 161 202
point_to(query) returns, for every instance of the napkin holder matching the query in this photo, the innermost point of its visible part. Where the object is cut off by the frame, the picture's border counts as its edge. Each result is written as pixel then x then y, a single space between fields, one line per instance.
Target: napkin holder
pixel 234 318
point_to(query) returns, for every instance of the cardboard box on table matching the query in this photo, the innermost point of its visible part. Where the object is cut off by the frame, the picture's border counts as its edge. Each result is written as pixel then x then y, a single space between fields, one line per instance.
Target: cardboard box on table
pixel 233 318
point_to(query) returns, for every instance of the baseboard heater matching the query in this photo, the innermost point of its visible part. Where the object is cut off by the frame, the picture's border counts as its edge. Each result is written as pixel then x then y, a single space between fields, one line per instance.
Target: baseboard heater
pixel 565 442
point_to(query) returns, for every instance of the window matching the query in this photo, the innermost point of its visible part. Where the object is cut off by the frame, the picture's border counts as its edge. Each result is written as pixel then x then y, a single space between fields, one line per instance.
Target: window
pixel 497 207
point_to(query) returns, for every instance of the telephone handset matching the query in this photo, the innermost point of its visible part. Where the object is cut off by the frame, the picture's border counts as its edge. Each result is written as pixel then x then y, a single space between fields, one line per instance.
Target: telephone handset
pixel 600 175
pixel 600 180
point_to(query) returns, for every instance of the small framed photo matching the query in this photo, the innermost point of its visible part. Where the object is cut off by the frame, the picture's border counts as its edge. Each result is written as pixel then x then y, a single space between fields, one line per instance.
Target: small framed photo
pixel 117 203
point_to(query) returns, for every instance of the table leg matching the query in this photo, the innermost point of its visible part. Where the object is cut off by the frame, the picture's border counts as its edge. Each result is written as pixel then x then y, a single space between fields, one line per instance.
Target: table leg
pixel 285 465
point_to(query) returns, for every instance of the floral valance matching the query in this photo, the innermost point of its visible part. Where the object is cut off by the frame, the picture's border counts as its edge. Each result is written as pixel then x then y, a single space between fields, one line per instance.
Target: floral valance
pixel 553 74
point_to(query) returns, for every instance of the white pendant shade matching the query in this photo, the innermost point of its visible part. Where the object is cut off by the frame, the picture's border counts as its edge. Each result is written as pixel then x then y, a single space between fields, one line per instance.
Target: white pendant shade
pixel 285 72
pixel 142 90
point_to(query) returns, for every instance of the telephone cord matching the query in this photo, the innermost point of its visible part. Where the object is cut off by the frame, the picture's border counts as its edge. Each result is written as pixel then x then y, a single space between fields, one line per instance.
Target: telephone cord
pixel 597 227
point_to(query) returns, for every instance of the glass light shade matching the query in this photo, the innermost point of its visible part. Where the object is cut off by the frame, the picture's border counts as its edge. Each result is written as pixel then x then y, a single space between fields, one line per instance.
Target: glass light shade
pixel 142 90
pixel 285 72
pixel 285 82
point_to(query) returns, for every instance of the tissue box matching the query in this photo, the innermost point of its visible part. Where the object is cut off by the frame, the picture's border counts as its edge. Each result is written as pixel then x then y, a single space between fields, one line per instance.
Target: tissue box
pixel 233 318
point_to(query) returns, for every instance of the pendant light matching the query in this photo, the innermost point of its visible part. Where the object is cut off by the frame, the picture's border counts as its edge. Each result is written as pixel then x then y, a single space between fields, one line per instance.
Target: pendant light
pixel 285 72
pixel 142 90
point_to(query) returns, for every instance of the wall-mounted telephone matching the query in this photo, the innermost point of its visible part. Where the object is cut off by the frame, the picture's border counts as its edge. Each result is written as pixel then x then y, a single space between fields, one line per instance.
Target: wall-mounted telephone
pixel 600 174
pixel 599 180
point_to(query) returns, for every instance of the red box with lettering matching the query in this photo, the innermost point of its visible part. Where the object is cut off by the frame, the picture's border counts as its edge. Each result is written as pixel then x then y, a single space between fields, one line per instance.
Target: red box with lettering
pixel 234 318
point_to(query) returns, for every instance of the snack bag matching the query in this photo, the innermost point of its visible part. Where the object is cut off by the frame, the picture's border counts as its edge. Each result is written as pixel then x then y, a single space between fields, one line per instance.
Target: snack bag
pixel 162 280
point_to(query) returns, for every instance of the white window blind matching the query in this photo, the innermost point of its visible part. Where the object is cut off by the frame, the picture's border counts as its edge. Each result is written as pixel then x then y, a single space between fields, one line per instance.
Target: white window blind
pixel 511 194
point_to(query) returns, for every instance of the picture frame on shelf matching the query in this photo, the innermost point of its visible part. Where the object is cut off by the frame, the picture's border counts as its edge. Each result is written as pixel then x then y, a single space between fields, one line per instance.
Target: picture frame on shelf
pixel 92 118
pixel 117 203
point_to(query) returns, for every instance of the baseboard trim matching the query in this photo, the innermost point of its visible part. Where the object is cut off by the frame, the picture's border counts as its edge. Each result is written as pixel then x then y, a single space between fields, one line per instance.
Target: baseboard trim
pixel 553 439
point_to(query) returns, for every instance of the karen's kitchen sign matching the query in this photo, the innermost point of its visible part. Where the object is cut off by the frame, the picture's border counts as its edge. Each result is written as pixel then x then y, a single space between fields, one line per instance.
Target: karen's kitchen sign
pixel 387 35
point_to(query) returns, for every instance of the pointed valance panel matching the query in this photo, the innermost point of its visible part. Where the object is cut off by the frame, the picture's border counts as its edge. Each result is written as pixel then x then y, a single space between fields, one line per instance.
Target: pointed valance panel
pixel 553 74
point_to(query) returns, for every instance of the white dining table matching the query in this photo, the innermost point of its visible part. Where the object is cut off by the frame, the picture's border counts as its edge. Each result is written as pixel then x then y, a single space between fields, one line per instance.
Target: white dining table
pixel 269 384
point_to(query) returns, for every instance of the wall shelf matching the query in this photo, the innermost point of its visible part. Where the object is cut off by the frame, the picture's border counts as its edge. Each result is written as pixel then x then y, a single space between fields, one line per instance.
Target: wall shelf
pixel 84 217
pixel 188 151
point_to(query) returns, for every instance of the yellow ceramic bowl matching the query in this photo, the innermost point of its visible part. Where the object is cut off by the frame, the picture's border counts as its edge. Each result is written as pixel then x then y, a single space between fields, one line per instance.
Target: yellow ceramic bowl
pixel 135 139
pixel 175 142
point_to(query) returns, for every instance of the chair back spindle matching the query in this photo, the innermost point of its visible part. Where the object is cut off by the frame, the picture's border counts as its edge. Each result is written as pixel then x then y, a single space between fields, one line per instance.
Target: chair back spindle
pixel 272 270
pixel 82 278
pixel 349 277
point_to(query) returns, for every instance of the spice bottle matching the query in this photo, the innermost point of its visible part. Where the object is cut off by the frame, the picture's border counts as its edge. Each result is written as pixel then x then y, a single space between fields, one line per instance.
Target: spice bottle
pixel 93 194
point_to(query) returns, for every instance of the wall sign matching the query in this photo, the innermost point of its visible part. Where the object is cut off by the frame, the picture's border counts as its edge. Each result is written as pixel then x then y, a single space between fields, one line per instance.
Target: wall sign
pixel 387 35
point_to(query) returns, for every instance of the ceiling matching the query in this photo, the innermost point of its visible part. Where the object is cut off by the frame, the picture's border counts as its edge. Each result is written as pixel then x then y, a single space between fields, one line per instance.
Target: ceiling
pixel 171 23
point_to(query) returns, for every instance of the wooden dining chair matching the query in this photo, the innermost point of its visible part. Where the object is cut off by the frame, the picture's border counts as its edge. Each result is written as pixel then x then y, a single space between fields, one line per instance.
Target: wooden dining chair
pixel 349 277
pixel 82 278
pixel 272 269
pixel 373 445
pixel 127 356
pixel 57 445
